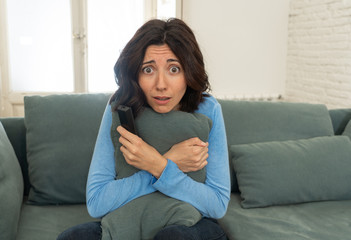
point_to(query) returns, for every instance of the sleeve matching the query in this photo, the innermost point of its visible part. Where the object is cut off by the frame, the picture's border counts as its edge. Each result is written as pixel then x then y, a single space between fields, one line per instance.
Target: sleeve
pixel 212 197
pixel 104 193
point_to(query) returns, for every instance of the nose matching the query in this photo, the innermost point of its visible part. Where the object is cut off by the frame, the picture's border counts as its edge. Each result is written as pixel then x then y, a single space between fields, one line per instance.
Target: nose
pixel 161 81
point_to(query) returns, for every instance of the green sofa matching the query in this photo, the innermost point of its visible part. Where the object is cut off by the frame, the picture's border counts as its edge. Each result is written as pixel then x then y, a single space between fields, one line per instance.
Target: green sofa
pixel 290 168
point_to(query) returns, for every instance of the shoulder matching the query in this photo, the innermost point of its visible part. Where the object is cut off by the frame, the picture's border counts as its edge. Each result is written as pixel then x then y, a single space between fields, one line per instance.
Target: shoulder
pixel 106 121
pixel 209 107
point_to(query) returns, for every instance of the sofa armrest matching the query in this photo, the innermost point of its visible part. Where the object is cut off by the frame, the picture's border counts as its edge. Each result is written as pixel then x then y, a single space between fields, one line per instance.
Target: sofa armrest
pixel 11 188
pixel 16 132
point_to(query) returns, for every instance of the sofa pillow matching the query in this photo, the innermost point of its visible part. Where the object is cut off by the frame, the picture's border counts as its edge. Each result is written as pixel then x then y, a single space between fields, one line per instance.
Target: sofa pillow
pixel 61 134
pixel 172 127
pixel 296 171
pixel 143 217
pixel 347 131
pixel 253 122
pixel 11 188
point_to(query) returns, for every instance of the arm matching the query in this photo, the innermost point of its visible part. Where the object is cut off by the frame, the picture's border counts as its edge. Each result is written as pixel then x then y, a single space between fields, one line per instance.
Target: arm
pixel 190 155
pixel 139 154
pixel 104 193
pixel 212 197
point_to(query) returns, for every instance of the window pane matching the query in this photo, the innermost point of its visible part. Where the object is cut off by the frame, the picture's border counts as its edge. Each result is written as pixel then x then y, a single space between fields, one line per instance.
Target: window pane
pixel 166 9
pixel 111 23
pixel 40 45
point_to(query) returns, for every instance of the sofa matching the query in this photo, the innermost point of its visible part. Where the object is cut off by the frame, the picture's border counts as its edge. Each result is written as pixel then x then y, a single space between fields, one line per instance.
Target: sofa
pixel 290 168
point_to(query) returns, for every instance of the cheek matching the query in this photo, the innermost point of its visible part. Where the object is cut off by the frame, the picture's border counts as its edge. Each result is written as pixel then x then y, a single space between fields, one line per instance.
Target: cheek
pixel 143 85
pixel 182 91
pixel 182 87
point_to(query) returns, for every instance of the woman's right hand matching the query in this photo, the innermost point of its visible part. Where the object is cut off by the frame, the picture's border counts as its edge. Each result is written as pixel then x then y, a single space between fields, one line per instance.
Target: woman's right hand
pixel 190 155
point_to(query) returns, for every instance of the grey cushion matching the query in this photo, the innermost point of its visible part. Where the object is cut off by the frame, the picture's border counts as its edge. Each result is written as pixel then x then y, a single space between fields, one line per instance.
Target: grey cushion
pixel 11 188
pixel 162 131
pixel 276 173
pixel 143 217
pixel 252 122
pixel 61 134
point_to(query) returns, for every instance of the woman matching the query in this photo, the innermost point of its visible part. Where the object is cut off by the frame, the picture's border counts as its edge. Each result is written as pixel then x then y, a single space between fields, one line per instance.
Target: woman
pixel 161 67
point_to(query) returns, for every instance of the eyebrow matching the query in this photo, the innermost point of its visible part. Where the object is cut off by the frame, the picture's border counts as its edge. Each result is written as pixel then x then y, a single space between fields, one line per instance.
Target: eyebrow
pixel 168 60
pixel 172 60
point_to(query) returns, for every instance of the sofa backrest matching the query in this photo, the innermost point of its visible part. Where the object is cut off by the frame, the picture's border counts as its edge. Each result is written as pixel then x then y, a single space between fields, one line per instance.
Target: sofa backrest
pixel 340 118
pixel 253 122
pixel 87 107
pixel 245 122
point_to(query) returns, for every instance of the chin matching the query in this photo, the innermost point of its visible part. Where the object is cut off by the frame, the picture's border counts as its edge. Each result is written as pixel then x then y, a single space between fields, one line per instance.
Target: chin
pixel 162 109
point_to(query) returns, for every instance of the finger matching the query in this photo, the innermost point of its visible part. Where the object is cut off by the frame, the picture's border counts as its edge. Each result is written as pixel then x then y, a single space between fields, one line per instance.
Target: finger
pixel 198 150
pixel 196 142
pixel 205 157
pixel 197 168
pixel 202 160
pixel 128 156
pixel 124 151
pixel 126 134
pixel 204 164
pixel 125 142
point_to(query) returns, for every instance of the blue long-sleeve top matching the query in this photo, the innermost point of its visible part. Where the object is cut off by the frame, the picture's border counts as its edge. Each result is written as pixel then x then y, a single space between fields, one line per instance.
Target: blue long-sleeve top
pixel 105 193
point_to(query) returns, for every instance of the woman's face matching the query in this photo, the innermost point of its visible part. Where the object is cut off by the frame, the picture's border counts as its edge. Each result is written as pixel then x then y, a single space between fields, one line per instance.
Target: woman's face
pixel 162 79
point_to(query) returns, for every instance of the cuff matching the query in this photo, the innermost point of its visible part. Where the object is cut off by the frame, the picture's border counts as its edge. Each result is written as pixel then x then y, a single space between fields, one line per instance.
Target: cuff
pixel 170 176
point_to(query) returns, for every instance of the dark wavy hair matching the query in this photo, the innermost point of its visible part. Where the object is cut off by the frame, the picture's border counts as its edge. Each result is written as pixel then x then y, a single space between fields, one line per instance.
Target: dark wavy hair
pixel 181 40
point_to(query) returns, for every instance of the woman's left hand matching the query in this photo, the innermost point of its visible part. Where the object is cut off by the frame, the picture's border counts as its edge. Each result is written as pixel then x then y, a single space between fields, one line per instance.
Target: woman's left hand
pixel 140 154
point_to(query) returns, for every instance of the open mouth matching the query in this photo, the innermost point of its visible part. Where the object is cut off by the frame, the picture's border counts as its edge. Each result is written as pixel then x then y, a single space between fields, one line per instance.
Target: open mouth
pixel 162 98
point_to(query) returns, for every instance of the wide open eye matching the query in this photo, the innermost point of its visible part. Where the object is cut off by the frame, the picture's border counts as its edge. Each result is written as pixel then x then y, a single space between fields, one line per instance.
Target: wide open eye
pixel 174 69
pixel 147 70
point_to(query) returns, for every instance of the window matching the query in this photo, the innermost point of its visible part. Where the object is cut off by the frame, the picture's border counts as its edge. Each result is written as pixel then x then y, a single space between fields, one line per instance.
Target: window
pixel 66 46
pixel 40 46
pixel 166 9
pixel 111 24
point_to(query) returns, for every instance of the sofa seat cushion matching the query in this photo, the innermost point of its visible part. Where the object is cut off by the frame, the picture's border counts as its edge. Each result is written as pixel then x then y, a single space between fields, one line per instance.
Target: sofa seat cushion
pixel 47 222
pixel 317 221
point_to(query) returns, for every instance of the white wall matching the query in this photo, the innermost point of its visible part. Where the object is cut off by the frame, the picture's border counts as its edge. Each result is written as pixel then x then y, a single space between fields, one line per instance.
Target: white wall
pixel 319 53
pixel 244 43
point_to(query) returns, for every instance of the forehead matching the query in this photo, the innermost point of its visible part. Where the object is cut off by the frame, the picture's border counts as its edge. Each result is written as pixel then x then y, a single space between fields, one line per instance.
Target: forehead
pixel 159 51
